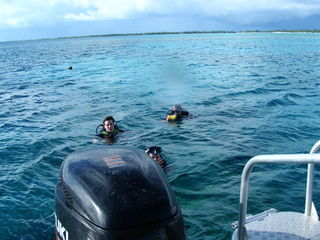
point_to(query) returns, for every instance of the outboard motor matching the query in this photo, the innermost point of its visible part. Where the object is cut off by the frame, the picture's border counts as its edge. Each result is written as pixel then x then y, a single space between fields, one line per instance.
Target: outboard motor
pixel 115 193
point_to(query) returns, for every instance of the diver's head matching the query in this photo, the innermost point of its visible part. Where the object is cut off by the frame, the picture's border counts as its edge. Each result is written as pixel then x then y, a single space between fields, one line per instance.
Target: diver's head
pixel 177 108
pixel 108 123
pixel 154 152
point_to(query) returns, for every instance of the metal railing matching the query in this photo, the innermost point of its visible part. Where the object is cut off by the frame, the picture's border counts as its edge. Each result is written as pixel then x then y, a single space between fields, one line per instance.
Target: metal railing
pixel 309 190
pixel 256 217
pixel 309 159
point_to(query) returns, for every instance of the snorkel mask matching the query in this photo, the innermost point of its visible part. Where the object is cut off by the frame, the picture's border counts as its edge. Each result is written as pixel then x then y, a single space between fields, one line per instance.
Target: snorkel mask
pixel 154 150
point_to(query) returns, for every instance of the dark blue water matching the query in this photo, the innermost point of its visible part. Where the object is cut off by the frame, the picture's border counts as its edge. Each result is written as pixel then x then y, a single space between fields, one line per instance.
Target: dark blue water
pixel 251 94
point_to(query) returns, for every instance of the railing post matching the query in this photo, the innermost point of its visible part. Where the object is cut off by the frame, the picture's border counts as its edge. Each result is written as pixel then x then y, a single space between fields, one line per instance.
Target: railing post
pixel 309 187
pixel 244 189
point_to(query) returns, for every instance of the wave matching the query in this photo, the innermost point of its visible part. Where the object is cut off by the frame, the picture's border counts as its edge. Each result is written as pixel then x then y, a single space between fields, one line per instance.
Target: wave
pixel 286 100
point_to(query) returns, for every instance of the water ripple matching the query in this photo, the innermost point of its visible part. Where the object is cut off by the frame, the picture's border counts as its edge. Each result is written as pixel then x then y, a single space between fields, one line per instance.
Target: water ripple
pixel 249 94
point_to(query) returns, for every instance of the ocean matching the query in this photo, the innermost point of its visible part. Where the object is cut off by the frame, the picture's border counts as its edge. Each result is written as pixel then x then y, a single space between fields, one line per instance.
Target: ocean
pixel 249 94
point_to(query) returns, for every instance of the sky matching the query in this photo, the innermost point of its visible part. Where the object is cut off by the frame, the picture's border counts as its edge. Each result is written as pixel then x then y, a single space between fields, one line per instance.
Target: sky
pixel 36 19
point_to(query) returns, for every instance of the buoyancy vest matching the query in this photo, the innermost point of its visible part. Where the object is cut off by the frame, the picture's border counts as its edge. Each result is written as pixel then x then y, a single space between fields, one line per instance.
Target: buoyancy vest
pixel 104 133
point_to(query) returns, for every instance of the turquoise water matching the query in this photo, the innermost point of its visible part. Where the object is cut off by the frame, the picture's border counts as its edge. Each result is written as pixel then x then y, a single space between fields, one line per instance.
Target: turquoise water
pixel 250 94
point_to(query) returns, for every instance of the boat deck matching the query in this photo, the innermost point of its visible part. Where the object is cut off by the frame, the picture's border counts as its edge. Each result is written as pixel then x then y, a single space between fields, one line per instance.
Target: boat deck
pixel 283 226
pixel 273 225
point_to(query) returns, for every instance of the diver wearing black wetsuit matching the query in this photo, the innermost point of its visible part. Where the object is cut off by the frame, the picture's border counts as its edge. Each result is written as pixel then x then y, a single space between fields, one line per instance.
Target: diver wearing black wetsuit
pixel 177 113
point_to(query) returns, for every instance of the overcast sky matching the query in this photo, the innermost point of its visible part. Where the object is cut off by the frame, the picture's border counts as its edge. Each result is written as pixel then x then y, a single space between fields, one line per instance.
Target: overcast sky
pixel 32 19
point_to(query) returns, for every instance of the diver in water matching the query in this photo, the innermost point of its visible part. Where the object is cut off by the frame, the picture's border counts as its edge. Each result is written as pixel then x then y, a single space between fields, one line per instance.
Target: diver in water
pixel 177 113
pixel 109 130
pixel 155 153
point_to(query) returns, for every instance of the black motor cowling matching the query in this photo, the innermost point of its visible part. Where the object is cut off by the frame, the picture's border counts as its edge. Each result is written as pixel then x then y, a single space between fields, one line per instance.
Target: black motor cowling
pixel 115 193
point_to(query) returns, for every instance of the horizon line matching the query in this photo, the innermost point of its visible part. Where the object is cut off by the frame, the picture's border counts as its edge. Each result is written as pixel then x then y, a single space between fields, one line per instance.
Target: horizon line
pixel 168 33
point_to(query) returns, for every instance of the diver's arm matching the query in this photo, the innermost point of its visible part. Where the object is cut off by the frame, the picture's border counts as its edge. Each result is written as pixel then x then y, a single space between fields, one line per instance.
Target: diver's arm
pixel 161 162
pixel 185 113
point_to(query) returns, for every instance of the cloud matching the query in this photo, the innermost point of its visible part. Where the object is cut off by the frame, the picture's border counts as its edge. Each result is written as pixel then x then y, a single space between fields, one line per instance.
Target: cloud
pixel 24 13
pixel 120 9
pixel 19 13
pixel 11 15
pixel 124 9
